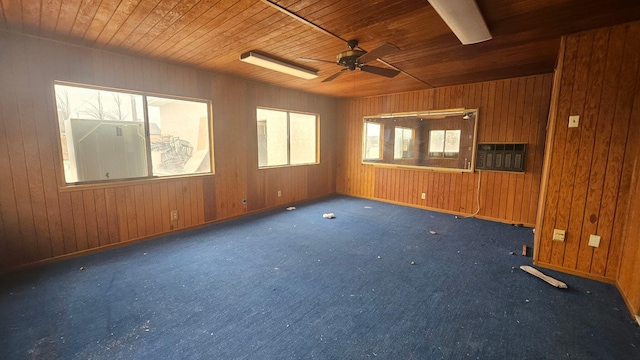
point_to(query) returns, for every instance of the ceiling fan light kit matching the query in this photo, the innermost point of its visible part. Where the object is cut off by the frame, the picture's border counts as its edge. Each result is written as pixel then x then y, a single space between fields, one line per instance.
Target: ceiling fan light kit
pixel 264 61
pixel 463 18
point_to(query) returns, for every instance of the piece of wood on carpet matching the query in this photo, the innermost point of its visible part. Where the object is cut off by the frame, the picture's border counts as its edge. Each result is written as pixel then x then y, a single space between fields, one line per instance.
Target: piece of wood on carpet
pixel 548 279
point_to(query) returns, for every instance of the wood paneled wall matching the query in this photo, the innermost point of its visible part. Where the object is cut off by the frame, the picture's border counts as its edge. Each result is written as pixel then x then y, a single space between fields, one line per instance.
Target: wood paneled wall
pixel 629 274
pixel 513 110
pixel 39 220
pixel 589 168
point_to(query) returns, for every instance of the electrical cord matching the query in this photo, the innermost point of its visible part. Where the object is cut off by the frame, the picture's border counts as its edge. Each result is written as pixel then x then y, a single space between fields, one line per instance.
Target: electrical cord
pixel 477 201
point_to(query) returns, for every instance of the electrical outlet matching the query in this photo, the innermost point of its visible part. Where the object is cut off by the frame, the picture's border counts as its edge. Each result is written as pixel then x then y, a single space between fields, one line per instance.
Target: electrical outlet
pixel 279 193
pixel 558 235
pixel 423 196
pixel 174 215
pixel 574 120
pixel 594 240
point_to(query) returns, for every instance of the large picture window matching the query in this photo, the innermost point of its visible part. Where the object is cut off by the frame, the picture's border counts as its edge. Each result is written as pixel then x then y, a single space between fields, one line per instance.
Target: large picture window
pixel 286 138
pixel 111 135
pixel 433 139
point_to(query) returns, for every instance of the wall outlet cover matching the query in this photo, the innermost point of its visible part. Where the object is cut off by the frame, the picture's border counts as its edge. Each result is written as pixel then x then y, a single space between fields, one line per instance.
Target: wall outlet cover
pixel 594 240
pixel 574 120
pixel 558 235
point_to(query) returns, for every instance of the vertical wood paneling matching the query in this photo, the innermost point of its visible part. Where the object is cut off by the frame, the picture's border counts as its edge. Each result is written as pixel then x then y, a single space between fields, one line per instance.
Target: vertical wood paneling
pixel 121 210
pixel 79 220
pixel 628 277
pixel 90 220
pixel 591 167
pixel 112 215
pixel 149 214
pixel 580 255
pixel 68 226
pixel 41 219
pixel 165 207
pixel 506 114
pixel 625 123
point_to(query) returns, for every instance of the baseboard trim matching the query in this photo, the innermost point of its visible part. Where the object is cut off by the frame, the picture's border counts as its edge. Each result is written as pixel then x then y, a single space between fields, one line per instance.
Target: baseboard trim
pixel 614 282
pixel 631 309
pixel 457 213
pixel 76 254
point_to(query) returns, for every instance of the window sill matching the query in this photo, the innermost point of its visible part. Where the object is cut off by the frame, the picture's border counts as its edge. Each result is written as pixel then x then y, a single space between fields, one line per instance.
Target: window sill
pixel 286 166
pixel 417 167
pixel 117 183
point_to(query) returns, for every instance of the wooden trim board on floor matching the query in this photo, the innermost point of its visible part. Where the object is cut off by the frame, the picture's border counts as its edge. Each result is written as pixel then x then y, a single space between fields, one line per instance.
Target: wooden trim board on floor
pixel 537 273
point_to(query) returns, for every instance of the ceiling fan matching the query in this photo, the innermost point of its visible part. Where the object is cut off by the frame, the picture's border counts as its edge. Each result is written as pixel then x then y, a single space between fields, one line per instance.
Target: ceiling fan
pixel 356 59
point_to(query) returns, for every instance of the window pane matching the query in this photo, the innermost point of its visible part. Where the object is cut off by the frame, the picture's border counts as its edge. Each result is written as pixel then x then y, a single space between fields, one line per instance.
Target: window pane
pixel 436 143
pixel 452 144
pixel 272 137
pixel 102 134
pixel 372 140
pixel 179 134
pixel 302 138
pixel 403 143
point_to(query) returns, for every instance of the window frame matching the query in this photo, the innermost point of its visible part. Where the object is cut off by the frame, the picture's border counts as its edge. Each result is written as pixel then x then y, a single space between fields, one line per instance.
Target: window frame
pixel 380 141
pixel 412 141
pixel 464 119
pixel 444 145
pixel 132 180
pixel 288 135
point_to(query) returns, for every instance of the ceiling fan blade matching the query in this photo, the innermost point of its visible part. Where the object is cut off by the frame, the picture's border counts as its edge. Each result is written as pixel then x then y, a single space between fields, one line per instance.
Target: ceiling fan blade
pixel 334 75
pixel 317 60
pixel 381 51
pixel 380 71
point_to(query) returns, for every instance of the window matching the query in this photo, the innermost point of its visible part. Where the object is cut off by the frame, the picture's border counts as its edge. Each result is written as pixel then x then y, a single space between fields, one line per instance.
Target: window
pixel 433 139
pixel 372 148
pixel 286 138
pixel 403 143
pixel 444 143
pixel 114 135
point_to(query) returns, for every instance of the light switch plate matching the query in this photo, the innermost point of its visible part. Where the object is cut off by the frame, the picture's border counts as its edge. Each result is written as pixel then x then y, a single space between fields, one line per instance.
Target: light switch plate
pixel 594 240
pixel 558 235
pixel 574 120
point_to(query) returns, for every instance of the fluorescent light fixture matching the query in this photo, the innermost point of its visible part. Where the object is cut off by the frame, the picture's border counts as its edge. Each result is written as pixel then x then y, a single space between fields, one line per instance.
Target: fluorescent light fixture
pixel 463 18
pixel 277 65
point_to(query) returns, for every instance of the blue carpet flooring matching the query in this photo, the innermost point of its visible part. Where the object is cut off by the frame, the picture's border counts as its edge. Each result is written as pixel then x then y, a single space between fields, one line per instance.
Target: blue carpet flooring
pixel 293 285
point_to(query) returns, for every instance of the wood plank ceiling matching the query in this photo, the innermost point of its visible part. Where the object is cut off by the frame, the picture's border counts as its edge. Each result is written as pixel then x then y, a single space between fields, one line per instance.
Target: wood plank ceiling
pixel 211 34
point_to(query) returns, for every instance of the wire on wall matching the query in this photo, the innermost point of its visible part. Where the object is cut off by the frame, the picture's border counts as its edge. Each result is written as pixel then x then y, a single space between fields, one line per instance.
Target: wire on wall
pixel 477 200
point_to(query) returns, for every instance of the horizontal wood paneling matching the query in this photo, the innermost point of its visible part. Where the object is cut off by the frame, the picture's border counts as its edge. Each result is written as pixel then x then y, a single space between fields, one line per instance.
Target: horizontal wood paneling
pixel 590 167
pixel 39 221
pixel 513 110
